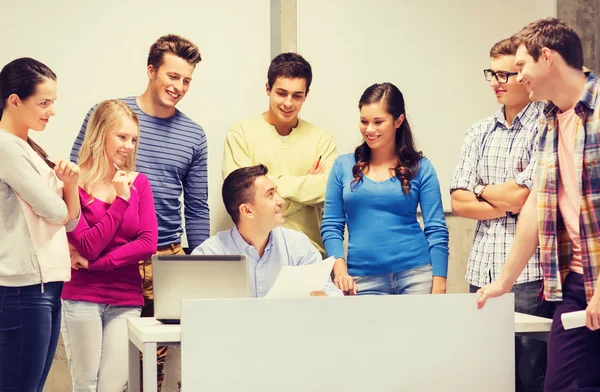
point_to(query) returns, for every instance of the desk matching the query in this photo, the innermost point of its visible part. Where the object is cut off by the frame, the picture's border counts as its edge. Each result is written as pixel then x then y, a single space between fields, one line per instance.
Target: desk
pixel 532 326
pixel 145 334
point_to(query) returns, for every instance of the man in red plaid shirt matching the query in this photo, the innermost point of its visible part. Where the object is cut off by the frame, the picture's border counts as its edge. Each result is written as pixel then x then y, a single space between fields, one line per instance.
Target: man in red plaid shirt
pixel 562 213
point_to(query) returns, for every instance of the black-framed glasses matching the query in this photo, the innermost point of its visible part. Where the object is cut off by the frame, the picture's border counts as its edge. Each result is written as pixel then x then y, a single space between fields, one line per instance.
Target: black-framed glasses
pixel 501 76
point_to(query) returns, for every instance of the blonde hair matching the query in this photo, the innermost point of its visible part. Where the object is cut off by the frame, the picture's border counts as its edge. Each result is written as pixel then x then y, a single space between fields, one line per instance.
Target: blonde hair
pixel 107 117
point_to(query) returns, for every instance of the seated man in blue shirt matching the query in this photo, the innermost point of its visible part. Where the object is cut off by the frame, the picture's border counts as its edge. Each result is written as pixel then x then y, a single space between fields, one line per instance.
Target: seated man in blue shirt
pixel 251 199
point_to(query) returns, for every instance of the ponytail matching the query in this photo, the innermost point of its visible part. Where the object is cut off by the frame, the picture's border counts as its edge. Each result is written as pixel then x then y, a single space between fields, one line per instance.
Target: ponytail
pixel 40 151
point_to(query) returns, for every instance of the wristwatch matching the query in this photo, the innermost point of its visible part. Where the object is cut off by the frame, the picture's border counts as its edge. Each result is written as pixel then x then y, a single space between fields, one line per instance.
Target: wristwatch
pixel 478 190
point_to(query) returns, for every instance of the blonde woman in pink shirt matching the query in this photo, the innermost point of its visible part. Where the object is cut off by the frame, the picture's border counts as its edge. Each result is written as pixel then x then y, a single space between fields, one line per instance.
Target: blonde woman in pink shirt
pixel 38 204
pixel 117 229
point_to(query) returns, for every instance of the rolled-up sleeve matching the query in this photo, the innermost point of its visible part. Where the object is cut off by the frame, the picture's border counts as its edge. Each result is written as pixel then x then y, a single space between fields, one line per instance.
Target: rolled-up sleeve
pixel 465 174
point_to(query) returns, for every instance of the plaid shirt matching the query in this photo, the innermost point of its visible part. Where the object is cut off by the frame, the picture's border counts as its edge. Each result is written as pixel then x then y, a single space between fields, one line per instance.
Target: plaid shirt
pixel 494 153
pixel 555 245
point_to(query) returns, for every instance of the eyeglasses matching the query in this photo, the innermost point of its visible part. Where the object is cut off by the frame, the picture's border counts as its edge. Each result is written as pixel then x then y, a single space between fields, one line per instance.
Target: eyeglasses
pixel 501 77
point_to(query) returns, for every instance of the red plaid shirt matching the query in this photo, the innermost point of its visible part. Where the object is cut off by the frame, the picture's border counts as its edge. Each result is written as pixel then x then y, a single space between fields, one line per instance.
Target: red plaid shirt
pixel 555 245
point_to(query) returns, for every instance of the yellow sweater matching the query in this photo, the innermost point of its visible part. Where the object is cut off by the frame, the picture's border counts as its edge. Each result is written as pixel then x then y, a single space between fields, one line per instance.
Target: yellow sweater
pixel 255 141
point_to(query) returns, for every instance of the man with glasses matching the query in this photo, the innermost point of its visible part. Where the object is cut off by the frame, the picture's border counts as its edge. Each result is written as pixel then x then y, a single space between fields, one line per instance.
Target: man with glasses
pixel 490 184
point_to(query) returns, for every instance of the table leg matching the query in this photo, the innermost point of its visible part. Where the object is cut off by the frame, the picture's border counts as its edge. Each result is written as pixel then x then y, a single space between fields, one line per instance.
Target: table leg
pixel 134 368
pixel 149 367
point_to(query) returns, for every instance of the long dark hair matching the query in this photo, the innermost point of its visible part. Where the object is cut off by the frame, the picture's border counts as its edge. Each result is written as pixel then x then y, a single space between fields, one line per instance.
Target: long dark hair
pixel 21 77
pixel 408 157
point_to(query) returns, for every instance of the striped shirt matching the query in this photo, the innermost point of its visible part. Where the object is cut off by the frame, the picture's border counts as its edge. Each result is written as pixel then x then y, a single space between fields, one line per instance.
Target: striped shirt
pixel 495 153
pixel 173 154
pixel 555 245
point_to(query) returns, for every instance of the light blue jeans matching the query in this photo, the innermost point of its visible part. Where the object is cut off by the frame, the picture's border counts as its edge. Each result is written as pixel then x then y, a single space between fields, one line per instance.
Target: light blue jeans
pixel 413 281
pixel 95 338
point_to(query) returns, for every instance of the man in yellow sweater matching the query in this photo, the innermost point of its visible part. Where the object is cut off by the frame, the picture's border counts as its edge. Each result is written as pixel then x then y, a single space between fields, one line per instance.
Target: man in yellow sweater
pixel 298 154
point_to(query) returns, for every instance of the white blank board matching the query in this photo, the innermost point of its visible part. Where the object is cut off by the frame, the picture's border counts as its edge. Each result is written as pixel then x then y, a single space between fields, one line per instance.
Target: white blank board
pixel 369 343
pixel 99 50
pixel 434 51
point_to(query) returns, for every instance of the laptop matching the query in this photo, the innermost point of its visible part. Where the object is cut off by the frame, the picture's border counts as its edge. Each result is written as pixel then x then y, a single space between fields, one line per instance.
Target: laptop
pixel 178 277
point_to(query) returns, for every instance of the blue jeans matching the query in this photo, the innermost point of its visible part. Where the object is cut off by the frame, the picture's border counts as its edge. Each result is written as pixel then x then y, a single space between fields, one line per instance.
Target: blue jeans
pixel 29 329
pixel 530 354
pixel 413 281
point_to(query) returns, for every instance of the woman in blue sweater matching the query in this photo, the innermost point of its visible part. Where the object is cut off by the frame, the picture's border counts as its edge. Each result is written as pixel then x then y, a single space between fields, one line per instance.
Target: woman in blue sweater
pixel 376 191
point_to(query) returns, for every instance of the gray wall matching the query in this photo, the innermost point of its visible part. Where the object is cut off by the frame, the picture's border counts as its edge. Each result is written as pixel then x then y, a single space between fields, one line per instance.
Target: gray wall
pixel 583 15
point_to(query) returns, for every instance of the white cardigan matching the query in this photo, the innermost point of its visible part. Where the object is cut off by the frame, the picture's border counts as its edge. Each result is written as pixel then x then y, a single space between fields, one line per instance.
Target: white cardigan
pixel 33 241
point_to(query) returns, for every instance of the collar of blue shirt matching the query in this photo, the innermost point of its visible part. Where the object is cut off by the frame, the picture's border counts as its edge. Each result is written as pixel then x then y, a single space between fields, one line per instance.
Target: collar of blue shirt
pixel 243 246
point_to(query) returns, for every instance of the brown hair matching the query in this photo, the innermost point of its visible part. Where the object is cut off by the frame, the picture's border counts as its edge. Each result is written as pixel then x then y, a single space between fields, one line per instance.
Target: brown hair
pixel 506 47
pixel 238 188
pixel 552 33
pixel 289 65
pixel 176 45
pixel 406 152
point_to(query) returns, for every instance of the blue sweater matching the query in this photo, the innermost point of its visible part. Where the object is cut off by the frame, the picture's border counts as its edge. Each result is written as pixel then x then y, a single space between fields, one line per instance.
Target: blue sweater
pixel 173 155
pixel 384 235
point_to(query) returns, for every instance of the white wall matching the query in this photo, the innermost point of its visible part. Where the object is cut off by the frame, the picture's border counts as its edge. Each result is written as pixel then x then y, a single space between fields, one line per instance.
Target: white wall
pixel 434 51
pixel 99 50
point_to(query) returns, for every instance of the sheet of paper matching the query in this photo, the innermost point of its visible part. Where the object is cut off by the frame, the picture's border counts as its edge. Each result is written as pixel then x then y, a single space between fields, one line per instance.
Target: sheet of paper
pixel 573 319
pixel 300 281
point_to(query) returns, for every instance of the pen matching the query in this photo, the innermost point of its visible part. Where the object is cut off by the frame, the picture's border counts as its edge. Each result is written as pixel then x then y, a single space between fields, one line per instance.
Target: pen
pixel 318 161
pixel 119 169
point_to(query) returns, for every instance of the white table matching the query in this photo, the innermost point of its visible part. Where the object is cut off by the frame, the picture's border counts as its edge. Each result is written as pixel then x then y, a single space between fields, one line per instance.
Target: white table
pixel 145 334
pixel 532 326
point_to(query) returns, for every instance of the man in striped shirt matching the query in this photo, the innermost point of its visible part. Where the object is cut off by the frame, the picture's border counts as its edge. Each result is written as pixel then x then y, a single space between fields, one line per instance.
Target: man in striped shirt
pixel 172 154
pixel 490 184
pixel 562 213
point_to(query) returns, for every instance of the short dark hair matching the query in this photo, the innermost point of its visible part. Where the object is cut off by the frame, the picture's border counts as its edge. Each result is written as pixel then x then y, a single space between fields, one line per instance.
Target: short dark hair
pixel 506 47
pixel 552 33
pixel 238 188
pixel 175 45
pixel 289 65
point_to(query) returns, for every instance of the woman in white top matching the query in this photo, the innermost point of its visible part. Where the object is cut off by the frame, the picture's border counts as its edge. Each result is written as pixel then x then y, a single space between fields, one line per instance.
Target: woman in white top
pixel 39 202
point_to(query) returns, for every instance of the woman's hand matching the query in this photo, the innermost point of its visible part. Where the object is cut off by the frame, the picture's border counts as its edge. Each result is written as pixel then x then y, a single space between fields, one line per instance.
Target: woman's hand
pixel 122 182
pixel 439 285
pixel 342 280
pixel 77 261
pixel 67 172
